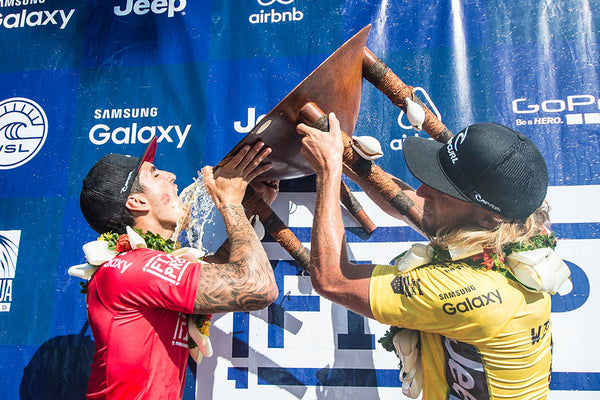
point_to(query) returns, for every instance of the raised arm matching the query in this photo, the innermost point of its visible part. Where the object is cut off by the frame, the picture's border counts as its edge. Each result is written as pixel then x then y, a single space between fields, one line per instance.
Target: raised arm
pixel 246 282
pixel 332 274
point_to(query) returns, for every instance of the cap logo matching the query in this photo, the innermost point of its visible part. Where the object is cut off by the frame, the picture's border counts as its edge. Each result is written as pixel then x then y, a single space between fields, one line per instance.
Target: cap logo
pixel 126 186
pixel 487 203
pixel 452 146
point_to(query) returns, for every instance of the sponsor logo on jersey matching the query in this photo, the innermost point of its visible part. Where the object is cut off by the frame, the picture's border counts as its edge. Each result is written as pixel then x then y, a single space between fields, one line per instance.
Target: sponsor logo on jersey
pixel 167 267
pixel 117 132
pixel 141 7
pixel 23 130
pixel 26 18
pixel 406 285
pixel 118 263
pixel 472 303
pixel 465 375
pixel 275 16
pixel 9 251
pixel 457 292
pixel 180 336
pixel 576 109
pixel 537 334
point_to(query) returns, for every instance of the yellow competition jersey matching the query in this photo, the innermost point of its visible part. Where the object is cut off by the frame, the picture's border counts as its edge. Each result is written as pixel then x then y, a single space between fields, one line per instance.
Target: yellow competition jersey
pixel 483 336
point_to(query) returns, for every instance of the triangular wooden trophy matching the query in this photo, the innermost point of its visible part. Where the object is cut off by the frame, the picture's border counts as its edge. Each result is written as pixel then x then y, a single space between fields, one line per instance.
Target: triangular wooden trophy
pixel 334 86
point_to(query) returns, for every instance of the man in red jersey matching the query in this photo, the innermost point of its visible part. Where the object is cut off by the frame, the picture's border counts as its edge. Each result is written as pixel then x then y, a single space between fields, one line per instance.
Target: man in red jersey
pixel 138 300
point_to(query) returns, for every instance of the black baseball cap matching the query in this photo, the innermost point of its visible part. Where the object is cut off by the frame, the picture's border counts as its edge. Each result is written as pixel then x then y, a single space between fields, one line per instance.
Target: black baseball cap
pixel 486 164
pixel 107 186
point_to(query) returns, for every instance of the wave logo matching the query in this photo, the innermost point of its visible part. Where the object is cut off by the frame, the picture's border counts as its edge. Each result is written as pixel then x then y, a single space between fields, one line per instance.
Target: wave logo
pixel 272 16
pixel 23 131
pixel 9 250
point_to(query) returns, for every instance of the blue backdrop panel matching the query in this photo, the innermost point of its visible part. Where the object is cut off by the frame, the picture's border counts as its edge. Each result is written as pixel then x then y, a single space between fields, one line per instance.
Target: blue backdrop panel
pixel 80 79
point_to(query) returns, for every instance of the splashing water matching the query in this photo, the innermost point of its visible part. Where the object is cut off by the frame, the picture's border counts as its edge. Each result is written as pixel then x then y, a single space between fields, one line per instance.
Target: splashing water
pixel 202 227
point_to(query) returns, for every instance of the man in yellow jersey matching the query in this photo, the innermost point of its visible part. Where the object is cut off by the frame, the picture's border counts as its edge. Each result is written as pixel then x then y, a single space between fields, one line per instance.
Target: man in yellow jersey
pixel 471 310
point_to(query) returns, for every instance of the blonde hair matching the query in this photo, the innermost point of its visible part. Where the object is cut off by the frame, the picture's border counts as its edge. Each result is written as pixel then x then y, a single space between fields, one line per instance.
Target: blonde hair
pixel 505 231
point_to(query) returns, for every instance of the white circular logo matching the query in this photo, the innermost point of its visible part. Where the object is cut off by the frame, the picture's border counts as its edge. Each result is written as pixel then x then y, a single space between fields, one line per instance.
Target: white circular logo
pixel 23 130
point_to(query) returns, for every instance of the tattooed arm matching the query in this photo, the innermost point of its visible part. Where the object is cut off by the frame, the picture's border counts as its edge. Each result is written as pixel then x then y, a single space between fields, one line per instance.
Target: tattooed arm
pixel 267 191
pixel 246 282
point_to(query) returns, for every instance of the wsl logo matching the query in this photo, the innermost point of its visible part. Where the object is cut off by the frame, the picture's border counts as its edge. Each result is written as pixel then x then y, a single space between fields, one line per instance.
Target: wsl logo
pixel 274 16
pixel 23 130
pixel 9 250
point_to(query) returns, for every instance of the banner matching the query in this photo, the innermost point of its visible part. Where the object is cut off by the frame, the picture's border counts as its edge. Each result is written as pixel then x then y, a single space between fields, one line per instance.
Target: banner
pixel 81 79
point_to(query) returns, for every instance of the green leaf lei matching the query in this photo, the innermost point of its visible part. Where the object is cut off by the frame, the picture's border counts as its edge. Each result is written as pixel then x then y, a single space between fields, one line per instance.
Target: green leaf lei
pixel 487 260
pixel 153 241
pixel 120 243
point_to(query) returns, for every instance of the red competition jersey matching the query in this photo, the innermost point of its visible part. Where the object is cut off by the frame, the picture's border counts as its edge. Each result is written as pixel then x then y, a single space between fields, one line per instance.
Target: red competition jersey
pixel 136 306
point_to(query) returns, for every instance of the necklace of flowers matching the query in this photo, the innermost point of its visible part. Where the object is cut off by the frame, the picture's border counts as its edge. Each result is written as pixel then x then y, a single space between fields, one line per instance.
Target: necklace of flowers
pixel 490 260
pixel 532 263
pixel 111 244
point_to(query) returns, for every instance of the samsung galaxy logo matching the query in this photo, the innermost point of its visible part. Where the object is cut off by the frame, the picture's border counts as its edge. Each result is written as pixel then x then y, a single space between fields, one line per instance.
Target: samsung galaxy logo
pixel 13 3
pixel 141 7
pixel 117 113
pixel 101 134
pixel 36 18
pixel 472 303
pixel 457 293
pixel 134 132
pixel 274 16
pixel 118 263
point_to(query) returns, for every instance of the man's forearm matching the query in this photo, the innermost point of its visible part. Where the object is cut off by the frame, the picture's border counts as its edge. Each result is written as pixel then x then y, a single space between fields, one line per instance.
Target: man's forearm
pixel 244 243
pixel 246 282
pixel 246 250
pixel 328 246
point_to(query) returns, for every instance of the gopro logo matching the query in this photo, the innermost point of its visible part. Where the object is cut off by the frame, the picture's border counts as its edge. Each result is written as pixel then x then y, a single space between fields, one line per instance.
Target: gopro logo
pixel 141 7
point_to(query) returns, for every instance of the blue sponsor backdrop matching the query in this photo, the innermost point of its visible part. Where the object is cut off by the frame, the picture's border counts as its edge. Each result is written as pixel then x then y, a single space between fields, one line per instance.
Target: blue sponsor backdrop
pixel 109 75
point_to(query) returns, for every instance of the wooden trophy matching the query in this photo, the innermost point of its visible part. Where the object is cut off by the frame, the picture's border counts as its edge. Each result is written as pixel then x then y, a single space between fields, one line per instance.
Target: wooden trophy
pixel 334 86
